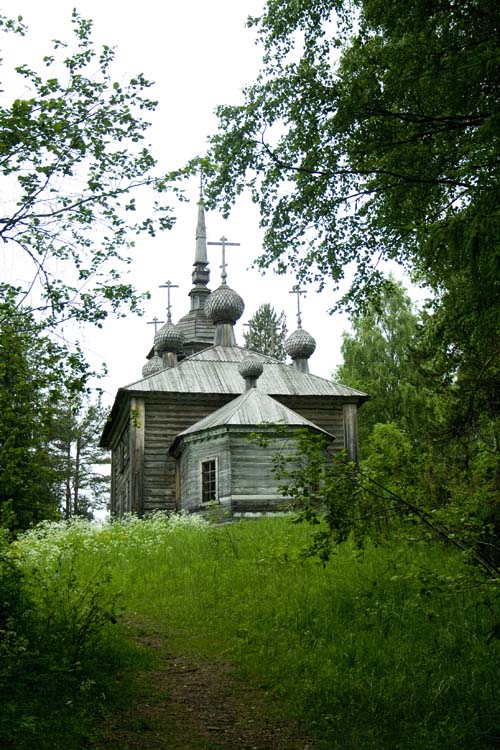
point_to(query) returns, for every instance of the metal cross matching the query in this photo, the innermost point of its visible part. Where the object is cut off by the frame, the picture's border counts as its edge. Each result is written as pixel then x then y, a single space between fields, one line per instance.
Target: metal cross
pixel 298 292
pixel 168 286
pixel 224 243
pixel 155 322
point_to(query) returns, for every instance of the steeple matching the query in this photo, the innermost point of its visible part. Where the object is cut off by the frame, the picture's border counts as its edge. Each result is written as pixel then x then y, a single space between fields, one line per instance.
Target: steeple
pixel 197 329
pixel 201 274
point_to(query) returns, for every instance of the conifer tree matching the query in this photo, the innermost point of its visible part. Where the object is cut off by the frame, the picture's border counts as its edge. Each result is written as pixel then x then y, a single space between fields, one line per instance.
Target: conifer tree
pixel 36 374
pixel 267 332
pixel 84 481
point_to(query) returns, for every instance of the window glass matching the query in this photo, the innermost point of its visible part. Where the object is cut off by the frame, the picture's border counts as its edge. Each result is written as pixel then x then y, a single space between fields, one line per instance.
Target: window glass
pixel 209 481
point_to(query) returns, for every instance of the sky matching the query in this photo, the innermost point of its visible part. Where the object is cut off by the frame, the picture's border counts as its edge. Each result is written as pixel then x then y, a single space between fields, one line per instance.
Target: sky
pixel 199 54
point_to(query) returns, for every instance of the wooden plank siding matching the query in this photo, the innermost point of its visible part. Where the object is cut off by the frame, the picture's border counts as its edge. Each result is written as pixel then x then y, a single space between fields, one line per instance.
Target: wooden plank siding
pixel 166 416
pixel 144 473
pixel 327 413
pixel 254 486
pixel 120 465
pixel 137 439
pixel 198 450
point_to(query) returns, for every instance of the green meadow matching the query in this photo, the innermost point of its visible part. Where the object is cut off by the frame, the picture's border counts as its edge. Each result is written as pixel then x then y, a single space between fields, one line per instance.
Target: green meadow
pixel 387 647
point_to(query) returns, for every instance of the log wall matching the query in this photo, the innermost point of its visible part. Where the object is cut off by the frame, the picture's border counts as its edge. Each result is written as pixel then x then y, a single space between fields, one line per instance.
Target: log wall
pixel 165 418
pixel 144 473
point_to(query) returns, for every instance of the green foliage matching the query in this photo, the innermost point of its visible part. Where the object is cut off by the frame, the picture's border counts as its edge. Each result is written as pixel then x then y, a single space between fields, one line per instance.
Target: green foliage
pixel 397 491
pixel 385 138
pixel 379 358
pixel 428 438
pixel 378 648
pixel 35 375
pixel 14 612
pixel 74 161
pixel 319 486
pixel 372 134
pixel 49 427
pixel 267 332
pixel 83 481
pixel 58 657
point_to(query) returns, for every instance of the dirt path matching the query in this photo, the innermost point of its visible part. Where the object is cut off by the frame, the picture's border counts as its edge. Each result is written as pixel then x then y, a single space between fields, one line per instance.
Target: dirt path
pixel 195 704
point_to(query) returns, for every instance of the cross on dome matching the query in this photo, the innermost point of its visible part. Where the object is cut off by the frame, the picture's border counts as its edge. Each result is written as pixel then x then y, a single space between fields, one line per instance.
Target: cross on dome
pixel 224 243
pixel 155 322
pixel 168 286
pixel 296 290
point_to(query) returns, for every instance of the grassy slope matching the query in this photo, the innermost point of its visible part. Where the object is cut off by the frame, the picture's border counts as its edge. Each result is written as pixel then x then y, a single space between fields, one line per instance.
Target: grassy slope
pixel 367 652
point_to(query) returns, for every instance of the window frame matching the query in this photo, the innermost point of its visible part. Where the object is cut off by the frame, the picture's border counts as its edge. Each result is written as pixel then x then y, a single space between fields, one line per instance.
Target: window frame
pixel 212 480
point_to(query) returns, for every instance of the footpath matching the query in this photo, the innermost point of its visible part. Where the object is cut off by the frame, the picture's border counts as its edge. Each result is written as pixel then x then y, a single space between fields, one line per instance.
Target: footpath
pixel 189 703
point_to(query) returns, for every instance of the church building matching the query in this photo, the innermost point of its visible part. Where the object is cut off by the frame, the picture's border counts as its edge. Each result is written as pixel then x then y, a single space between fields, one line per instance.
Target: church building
pixel 183 436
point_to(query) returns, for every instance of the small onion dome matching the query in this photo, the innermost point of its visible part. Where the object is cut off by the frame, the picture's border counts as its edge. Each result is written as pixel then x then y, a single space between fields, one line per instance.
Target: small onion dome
pixel 168 339
pixel 251 367
pixel 152 366
pixel 300 344
pixel 224 305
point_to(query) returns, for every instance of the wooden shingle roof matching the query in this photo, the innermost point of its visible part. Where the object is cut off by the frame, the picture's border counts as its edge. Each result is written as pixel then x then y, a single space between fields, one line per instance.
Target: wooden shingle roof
pixel 215 370
pixel 251 408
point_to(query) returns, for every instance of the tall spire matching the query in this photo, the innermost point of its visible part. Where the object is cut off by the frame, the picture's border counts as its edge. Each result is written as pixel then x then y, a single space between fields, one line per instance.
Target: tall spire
pixel 201 274
pixel 197 329
pixel 201 231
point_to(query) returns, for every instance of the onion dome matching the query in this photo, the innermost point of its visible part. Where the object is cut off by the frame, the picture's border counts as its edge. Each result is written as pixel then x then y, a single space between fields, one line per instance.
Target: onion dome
pixel 152 366
pixel 251 367
pixel 300 344
pixel 224 305
pixel 168 339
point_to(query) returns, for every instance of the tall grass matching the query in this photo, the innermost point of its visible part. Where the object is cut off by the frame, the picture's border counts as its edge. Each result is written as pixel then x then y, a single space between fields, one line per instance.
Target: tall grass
pixel 59 652
pixel 379 649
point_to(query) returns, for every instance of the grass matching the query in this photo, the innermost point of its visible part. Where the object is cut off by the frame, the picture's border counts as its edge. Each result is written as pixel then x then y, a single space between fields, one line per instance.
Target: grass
pixel 379 649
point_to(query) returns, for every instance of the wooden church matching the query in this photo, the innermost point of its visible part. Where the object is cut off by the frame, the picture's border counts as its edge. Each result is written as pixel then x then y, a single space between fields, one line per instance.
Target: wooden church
pixel 181 435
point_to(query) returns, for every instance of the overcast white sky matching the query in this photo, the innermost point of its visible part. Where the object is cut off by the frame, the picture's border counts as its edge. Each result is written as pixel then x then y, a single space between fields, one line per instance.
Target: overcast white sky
pixel 200 54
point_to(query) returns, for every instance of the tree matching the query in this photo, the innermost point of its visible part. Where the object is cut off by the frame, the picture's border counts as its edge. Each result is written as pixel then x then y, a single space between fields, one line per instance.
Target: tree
pixel 371 134
pixel 403 432
pixel 83 484
pixel 76 173
pixel 267 332
pixel 35 376
pixel 421 453
pixel 390 152
pixel 380 358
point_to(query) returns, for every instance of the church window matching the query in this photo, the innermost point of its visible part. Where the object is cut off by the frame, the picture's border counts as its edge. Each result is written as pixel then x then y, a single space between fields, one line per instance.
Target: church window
pixel 209 481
